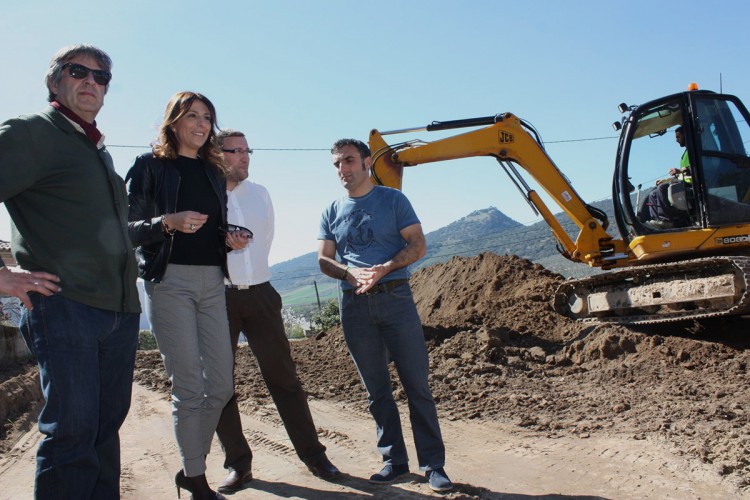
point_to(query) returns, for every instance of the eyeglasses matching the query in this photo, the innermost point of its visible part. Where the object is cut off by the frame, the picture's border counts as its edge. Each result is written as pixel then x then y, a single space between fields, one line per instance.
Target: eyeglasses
pixel 233 228
pixel 238 151
pixel 79 72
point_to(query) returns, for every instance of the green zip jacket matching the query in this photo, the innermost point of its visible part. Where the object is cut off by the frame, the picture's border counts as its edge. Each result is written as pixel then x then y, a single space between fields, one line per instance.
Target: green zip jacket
pixel 69 210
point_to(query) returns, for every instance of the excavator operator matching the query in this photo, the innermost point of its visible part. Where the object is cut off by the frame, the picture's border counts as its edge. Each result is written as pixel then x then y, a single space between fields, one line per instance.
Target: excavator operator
pixel 662 213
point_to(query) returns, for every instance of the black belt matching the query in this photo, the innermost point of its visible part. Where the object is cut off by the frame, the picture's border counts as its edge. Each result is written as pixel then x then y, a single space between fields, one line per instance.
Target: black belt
pixel 245 287
pixel 382 287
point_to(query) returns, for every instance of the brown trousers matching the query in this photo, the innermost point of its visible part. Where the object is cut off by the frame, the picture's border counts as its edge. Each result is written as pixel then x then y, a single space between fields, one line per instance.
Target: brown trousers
pixel 257 313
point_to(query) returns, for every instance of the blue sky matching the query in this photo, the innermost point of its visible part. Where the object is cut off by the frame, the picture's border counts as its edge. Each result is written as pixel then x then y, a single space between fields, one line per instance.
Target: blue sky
pixel 297 75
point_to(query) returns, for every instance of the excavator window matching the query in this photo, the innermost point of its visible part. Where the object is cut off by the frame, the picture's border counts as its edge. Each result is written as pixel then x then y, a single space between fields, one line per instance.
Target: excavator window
pixel 652 154
pixel 724 136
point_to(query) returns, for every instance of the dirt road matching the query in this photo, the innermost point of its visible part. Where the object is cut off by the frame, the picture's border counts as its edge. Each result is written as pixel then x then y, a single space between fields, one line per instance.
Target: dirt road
pixel 531 404
pixel 488 461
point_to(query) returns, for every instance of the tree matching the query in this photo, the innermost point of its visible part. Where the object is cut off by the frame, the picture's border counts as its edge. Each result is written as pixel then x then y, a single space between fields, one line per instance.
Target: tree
pixel 146 340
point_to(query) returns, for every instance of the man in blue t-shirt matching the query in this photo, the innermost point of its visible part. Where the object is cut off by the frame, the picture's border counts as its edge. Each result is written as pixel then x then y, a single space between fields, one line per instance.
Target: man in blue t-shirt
pixel 376 233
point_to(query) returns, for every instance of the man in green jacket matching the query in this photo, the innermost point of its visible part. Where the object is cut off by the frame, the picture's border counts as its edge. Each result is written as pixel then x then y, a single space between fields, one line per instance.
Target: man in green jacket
pixel 69 211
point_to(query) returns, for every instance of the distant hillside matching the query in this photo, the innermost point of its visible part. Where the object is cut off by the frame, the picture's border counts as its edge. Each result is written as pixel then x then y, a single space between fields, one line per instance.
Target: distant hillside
pixel 302 270
pixel 297 272
pixel 534 242
pixel 480 231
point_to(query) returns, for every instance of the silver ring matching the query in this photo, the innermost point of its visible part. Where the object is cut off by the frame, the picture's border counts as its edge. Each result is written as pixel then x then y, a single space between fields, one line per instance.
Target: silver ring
pixel 192 226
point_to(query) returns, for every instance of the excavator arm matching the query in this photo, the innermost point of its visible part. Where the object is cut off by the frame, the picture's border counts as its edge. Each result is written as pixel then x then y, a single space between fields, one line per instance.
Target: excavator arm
pixel 674 287
pixel 511 142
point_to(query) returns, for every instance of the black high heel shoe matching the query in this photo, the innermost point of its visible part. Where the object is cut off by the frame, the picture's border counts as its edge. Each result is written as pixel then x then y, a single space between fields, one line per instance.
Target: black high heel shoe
pixel 197 486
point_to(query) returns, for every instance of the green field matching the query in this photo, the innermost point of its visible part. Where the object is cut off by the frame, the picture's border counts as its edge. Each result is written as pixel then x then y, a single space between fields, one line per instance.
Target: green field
pixel 303 298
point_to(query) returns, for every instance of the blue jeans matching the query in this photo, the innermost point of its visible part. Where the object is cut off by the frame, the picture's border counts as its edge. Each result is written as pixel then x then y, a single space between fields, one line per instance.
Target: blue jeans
pixel 383 327
pixel 86 357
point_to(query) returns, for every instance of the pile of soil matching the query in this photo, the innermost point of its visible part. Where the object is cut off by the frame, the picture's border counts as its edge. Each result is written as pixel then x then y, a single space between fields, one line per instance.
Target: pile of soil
pixel 20 400
pixel 499 352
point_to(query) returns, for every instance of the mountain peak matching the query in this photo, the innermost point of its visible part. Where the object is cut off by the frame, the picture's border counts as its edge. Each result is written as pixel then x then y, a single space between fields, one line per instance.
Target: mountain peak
pixel 484 221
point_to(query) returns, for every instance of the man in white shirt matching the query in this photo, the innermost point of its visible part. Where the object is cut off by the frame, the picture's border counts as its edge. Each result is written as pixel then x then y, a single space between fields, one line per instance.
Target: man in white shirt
pixel 254 308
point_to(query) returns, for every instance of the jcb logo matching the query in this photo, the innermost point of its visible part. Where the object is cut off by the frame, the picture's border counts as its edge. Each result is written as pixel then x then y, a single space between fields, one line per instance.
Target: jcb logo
pixel 505 137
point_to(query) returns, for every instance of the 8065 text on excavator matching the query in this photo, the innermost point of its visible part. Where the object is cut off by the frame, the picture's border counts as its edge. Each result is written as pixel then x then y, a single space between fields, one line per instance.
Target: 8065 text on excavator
pixel 693 262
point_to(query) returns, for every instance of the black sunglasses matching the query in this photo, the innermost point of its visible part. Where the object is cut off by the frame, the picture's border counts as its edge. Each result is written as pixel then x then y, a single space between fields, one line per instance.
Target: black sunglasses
pixel 79 72
pixel 233 228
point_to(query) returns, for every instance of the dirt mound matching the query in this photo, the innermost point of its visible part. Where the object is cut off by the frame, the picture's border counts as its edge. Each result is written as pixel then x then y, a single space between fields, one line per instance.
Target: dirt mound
pixel 20 395
pixel 492 292
pixel 498 352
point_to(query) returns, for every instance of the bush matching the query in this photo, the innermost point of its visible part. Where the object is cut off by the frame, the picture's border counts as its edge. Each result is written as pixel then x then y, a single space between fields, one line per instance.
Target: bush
pixel 146 341
pixel 295 332
pixel 327 318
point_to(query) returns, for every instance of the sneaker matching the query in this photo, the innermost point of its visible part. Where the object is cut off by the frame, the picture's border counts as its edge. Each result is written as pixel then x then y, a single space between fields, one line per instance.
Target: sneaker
pixel 438 480
pixel 389 474
pixel 660 224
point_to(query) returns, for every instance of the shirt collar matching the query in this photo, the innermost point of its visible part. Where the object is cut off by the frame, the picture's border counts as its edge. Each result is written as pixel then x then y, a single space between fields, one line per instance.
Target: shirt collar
pixel 89 129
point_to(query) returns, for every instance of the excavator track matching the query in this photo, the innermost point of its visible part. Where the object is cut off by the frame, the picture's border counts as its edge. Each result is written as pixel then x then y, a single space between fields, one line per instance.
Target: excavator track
pixel 660 293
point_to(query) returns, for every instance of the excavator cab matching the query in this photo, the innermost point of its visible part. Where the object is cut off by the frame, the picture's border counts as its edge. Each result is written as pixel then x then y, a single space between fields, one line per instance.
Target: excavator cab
pixel 710 133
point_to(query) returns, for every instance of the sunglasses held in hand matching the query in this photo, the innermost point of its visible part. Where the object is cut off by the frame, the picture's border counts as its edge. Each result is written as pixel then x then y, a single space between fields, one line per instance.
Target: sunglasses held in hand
pixel 81 72
pixel 233 228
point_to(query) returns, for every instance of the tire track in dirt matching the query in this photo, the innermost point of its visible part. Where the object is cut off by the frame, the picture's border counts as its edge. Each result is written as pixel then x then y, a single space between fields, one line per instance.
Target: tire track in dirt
pixel 486 460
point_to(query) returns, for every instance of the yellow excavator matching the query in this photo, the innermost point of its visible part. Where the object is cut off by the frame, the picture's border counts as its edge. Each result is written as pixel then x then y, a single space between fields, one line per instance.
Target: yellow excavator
pixel 683 248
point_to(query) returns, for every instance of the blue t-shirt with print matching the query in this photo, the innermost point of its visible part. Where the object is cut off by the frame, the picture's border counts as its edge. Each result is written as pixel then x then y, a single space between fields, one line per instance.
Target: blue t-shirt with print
pixel 367 229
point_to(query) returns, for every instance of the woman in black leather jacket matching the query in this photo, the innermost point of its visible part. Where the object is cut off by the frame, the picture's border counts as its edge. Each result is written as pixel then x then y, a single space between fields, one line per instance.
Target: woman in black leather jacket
pixel 177 197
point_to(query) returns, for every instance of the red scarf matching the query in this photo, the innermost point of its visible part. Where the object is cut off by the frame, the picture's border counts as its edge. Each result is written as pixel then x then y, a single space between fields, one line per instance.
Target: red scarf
pixel 89 128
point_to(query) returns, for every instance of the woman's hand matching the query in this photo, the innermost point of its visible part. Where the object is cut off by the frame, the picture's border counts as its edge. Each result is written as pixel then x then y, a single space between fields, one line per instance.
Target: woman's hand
pixel 185 222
